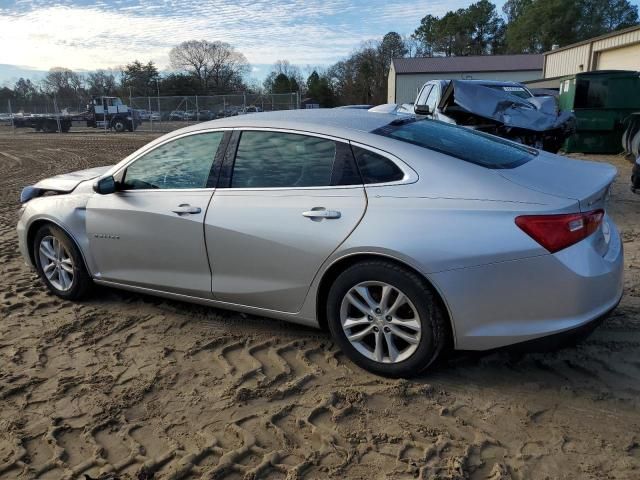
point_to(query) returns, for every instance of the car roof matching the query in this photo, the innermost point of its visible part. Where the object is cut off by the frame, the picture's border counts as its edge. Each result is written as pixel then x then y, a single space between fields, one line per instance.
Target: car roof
pixel 328 121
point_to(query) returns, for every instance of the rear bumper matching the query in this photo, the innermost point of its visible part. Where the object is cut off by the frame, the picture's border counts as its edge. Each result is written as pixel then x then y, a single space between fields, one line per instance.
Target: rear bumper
pixel 516 301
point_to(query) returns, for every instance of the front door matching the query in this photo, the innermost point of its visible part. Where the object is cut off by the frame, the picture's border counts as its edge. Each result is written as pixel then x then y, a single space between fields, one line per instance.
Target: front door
pixel 149 233
pixel 290 201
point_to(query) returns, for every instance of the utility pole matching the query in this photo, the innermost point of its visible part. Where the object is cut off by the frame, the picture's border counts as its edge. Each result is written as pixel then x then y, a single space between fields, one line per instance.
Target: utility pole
pixel 158 88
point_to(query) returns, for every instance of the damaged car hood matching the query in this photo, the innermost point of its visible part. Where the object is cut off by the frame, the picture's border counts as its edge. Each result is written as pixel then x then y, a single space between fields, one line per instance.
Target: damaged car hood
pixel 68 181
pixel 538 113
pixel 65 183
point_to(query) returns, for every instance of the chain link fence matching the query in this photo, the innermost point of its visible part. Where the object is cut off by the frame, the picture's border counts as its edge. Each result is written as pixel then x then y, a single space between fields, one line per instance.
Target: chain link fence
pixel 168 113
pixel 151 114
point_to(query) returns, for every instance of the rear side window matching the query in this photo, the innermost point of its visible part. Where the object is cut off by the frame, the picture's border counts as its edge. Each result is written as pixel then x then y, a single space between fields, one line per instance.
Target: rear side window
pixel 460 142
pixel 375 168
pixel 275 159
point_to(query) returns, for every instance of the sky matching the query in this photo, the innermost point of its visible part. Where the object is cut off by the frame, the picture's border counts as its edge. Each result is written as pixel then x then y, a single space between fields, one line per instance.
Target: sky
pixel 36 35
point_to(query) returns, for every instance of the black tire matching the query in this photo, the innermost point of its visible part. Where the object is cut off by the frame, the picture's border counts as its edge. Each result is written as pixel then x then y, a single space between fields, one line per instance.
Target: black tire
pixel 119 126
pixel 50 126
pixel 432 317
pixel 81 283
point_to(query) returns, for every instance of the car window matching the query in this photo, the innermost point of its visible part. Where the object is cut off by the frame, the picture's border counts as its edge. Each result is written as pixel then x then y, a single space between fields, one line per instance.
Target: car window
pixel 424 93
pixel 182 163
pixel 276 159
pixel 432 99
pixel 460 142
pixel 375 168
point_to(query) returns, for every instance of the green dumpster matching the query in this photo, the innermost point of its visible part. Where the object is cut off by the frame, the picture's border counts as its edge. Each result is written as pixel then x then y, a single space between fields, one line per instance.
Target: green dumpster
pixel 601 101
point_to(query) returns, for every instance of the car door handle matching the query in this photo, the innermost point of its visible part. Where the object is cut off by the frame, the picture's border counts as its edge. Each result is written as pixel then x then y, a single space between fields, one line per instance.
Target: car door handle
pixel 318 213
pixel 186 209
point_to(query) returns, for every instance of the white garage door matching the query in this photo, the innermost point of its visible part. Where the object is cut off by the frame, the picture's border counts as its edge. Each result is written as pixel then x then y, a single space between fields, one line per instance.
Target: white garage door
pixel 626 58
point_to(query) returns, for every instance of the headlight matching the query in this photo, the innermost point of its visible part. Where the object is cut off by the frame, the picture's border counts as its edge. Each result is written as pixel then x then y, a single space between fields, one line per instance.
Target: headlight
pixel 28 193
pixel 128 118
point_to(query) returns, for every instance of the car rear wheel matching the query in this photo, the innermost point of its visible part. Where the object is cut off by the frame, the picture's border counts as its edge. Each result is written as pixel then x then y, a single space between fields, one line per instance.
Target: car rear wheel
pixel 386 318
pixel 59 263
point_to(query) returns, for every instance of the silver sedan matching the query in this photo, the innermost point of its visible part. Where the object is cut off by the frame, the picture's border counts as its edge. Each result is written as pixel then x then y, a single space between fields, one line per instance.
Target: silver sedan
pixel 401 236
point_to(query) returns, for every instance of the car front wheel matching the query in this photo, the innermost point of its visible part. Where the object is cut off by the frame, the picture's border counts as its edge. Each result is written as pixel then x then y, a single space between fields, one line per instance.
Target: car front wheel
pixel 60 264
pixel 386 318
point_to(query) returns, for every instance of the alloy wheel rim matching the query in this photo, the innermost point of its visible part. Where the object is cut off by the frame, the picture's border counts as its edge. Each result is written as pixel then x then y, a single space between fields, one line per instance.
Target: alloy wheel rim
pixel 56 263
pixel 380 322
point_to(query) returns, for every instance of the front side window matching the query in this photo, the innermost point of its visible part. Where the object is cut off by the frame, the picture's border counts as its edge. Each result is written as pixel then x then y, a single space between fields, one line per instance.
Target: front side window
pixel 459 142
pixel 279 160
pixel 182 163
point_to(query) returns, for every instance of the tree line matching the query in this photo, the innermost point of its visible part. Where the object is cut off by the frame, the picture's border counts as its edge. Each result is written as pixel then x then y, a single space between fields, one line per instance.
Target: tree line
pixel 201 67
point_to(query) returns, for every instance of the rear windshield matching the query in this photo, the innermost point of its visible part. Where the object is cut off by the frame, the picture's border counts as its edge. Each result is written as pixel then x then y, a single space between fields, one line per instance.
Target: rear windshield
pixel 460 142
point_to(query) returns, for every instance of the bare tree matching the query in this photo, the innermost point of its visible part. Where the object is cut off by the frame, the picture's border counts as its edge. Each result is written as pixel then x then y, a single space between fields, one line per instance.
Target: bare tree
pixel 216 65
pixel 62 81
pixel 101 82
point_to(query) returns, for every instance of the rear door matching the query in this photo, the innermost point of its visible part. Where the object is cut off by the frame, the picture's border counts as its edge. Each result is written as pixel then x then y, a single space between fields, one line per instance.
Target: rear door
pixel 284 203
pixel 149 233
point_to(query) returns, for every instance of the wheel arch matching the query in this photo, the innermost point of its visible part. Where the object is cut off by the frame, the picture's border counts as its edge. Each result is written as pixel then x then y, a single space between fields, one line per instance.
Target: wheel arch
pixel 341 264
pixel 33 228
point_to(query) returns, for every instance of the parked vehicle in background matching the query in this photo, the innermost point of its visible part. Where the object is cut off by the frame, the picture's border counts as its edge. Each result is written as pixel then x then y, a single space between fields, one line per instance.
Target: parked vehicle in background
pixel 357 107
pixel 401 235
pixel 190 115
pixel 204 115
pixel 228 112
pixel 505 109
pixel 154 116
pixel 5 117
pixel 111 113
pixel 43 123
pixel 177 115
pixel 251 109
pixel 143 114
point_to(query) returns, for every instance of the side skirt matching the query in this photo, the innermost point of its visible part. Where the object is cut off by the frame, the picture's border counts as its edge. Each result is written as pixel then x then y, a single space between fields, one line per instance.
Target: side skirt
pixel 288 317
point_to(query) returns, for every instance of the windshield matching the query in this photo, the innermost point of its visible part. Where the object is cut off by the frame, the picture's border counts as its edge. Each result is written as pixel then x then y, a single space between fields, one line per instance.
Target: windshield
pixel 459 142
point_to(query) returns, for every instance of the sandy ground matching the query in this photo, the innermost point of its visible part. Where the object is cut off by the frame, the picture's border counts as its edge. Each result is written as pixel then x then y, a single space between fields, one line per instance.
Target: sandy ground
pixel 129 386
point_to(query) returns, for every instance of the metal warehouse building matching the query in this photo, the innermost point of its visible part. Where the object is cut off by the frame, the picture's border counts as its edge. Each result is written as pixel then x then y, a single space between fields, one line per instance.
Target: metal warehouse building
pixel 615 51
pixel 407 75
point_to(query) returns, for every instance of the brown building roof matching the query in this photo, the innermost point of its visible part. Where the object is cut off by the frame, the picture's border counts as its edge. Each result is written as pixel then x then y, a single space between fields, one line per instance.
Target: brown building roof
pixel 476 63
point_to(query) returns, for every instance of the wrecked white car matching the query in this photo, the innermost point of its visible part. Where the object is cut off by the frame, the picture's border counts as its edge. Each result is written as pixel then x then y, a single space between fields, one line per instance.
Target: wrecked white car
pixel 506 109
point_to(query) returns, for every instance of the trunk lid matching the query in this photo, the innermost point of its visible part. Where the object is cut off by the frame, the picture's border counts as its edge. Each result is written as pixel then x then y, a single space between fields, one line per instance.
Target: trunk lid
pixel 584 181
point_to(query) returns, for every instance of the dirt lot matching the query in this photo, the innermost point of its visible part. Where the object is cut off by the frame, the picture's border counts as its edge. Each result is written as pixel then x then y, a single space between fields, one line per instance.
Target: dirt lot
pixel 129 386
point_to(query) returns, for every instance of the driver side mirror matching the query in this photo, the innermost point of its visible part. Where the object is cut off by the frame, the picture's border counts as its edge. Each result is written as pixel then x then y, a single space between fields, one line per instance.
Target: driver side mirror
pixel 422 109
pixel 105 185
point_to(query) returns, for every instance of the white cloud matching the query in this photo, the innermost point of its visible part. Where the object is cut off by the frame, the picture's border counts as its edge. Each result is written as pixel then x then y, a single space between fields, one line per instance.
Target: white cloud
pixel 109 34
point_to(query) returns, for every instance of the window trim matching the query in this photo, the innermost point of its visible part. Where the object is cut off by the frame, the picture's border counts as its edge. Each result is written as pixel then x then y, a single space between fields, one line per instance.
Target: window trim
pixel 229 163
pixel 224 144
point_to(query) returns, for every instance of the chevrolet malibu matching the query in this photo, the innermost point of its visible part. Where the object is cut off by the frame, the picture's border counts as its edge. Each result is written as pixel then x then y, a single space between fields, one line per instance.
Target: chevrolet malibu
pixel 401 236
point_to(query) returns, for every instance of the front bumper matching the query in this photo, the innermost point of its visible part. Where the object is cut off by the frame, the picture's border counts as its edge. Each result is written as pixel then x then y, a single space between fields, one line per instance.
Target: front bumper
pixel 516 301
pixel 22 241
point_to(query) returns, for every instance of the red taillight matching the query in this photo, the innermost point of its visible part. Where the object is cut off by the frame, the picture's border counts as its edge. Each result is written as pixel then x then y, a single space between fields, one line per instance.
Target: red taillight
pixel 555 232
